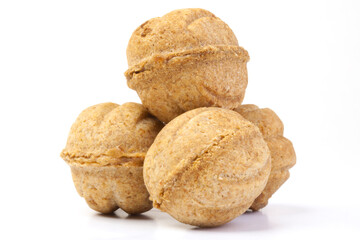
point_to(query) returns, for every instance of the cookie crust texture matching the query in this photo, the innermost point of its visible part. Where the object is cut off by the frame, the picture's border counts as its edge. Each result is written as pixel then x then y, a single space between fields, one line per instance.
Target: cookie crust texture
pixel 184 60
pixel 207 166
pixel 283 155
pixel 105 150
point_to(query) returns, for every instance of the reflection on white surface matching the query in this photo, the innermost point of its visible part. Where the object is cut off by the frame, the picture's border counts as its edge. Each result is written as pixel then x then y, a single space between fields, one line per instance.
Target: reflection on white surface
pixel 249 221
pixel 275 222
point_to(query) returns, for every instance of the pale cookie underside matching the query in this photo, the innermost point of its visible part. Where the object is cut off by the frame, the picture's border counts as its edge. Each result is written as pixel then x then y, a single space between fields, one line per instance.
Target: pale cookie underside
pixel 106 189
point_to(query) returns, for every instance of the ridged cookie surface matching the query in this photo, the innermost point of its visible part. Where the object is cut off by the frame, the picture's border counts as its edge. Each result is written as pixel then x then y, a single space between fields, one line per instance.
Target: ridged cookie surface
pixel 105 150
pixel 207 166
pixel 184 60
pixel 282 151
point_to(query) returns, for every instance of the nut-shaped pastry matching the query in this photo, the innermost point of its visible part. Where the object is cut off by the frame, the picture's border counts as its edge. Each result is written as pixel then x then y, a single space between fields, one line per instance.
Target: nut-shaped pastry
pixel 184 60
pixel 207 166
pixel 105 149
pixel 282 151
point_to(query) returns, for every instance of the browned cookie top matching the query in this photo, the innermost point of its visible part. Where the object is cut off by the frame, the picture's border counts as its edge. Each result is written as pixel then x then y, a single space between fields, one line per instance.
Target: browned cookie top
pixel 109 134
pixel 178 31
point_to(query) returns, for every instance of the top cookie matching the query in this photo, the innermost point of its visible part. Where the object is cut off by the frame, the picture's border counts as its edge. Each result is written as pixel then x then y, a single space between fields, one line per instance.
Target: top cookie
pixel 185 60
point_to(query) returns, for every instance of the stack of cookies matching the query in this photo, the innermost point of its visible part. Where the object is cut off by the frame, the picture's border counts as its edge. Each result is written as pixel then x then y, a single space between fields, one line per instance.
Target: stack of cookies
pixel 191 149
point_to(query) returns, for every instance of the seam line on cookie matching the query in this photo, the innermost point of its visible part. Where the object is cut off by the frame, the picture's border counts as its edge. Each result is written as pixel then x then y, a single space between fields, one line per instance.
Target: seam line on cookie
pixel 166 57
pixel 170 181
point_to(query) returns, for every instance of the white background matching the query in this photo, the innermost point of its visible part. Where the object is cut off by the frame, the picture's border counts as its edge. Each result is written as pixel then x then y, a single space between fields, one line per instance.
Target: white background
pixel 59 57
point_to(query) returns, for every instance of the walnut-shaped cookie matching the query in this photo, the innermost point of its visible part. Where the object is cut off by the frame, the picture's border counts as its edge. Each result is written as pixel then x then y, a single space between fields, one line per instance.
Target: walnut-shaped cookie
pixel 282 151
pixel 184 60
pixel 207 166
pixel 105 149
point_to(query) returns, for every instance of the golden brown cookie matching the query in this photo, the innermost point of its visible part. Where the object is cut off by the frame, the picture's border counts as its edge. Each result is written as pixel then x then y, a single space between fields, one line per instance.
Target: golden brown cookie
pixel 184 60
pixel 105 150
pixel 207 166
pixel 282 151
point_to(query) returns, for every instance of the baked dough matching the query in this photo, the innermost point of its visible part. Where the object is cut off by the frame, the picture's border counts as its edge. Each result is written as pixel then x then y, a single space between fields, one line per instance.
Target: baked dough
pixel 184 60
pixel 282 151
pixel 105 150
pixel 207 166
